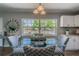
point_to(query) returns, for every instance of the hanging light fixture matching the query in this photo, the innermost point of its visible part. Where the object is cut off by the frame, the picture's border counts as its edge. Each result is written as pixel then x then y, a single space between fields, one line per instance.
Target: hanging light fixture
pixel 40 10
pixel 35 12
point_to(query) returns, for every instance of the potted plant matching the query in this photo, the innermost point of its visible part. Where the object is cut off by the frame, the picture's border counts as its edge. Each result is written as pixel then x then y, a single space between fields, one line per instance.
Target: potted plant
pixel 67 31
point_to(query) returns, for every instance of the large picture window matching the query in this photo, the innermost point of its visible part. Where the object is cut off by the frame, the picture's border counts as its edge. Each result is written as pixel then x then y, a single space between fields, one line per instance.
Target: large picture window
pixel 31 26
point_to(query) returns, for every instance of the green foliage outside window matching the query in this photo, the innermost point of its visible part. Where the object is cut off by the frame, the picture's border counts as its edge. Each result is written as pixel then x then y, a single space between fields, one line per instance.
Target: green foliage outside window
pixel 35 24
pixel 47 24
pixel 43 23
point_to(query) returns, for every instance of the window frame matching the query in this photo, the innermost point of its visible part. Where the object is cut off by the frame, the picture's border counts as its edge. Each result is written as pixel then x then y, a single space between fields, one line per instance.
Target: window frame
pixel 55 28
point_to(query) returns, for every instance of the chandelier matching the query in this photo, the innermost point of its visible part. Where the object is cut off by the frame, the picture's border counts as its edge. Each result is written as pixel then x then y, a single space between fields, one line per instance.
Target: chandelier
pixel 40 10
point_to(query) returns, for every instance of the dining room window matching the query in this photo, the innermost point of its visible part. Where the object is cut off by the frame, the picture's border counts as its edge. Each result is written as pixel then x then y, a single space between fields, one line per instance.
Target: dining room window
pixel 31 26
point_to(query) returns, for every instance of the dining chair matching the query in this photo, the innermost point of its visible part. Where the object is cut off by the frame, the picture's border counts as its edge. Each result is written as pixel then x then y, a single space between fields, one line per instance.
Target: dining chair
pixel 17 49
pixel 60 50
pixel 39 51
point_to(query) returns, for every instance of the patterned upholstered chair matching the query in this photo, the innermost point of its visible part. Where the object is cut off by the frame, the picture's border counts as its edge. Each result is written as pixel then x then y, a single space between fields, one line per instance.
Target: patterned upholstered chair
pixel 17 50
pixel 60 51
pixel 39 51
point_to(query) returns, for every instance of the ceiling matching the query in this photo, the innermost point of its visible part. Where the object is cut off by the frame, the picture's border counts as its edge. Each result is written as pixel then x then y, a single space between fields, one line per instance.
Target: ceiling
pixel 49 7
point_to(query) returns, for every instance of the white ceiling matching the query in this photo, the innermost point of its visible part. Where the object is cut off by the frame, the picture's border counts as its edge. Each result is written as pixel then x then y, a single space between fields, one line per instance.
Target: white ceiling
pixel 50 7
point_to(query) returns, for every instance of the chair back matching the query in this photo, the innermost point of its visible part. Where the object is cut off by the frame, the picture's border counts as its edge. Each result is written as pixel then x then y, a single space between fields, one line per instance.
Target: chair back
pixel 65 43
